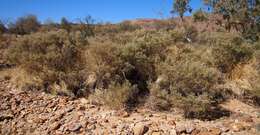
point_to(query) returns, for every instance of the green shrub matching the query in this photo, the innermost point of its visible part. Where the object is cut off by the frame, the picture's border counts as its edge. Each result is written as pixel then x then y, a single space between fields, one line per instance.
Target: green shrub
pixel 105 62
pixel 186 34
pixel 252 34
pixel 143 52
pixel 228 56
pixel 127 26
pixel 86 27
pixel 256 79
pixel 133 61
pixel 52 58
pixel 214 39
pixel 199 16
pixel 65 24
pixel 186 83
pixel 5 42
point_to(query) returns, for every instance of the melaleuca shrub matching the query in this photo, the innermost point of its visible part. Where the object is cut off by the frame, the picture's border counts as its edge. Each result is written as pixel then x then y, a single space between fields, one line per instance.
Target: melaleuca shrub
pixel 186 82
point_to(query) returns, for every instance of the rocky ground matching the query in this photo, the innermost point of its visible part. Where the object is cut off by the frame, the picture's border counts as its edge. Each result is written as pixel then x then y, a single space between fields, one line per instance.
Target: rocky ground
pixel 25 112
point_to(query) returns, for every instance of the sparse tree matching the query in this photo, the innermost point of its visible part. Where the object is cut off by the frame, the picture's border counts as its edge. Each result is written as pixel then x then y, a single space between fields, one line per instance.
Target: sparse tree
pixel 180 7
pixel 3 29
pixel 242 15
pixel 65 24
pixel 86 28
pixel 25 25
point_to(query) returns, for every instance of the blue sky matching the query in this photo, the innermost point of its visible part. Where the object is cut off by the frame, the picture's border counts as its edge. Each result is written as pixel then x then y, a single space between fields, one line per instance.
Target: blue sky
pixel 100 10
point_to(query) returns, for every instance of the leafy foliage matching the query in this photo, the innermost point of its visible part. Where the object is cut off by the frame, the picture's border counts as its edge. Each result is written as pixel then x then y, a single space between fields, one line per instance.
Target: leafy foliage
pixel 228 56
pixel 181 6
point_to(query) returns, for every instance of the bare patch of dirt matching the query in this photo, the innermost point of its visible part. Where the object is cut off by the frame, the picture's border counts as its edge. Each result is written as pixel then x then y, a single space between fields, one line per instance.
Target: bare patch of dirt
pixel 25 112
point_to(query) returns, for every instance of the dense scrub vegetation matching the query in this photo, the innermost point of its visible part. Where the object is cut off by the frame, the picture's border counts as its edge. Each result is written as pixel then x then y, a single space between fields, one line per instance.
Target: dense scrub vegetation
pixel 164 65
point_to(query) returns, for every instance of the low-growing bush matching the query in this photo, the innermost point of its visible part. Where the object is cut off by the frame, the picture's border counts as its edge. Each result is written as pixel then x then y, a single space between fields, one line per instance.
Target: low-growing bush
pixel 133 62
pixel 122 65
pixel 118 96
pixel 133 59
pixel 25 25
pixel 65 24
pixel 256 79
pixel 186 34
pixel 127 26
pixel 5 42
pixel 199 16
pixel 228 56
pixel 186 83
pixel 103 60
pixel 52 58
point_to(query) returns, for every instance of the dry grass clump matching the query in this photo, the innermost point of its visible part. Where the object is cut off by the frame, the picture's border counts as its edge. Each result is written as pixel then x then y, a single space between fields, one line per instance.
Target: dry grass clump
pixel 52 58
pixel 118 96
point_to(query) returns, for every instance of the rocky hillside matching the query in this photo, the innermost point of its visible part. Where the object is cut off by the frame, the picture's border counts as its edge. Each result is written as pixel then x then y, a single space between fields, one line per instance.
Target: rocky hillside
pixel 26 112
